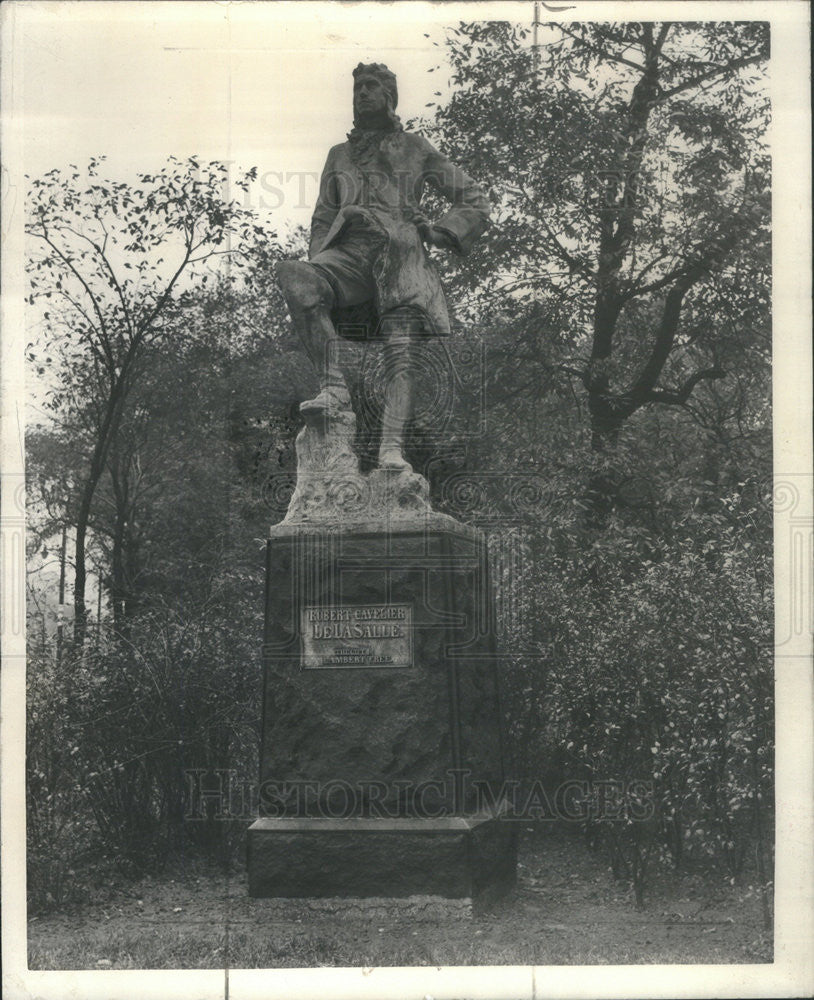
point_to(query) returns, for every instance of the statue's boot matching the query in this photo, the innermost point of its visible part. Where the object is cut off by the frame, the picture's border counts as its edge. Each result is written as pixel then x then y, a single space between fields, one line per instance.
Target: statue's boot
pixel 332 399
pixel 392 460
pixel 398 399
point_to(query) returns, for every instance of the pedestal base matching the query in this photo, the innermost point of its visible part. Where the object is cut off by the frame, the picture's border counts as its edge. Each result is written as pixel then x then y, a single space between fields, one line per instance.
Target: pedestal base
pixel 381 763
pixel 454 857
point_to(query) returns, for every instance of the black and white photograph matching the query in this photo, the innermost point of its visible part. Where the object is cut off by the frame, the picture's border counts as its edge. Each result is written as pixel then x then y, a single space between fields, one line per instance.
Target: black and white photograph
pixel 406 500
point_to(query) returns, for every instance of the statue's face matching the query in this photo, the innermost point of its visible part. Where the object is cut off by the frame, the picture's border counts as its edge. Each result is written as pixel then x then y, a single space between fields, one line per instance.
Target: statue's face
pixel 369 96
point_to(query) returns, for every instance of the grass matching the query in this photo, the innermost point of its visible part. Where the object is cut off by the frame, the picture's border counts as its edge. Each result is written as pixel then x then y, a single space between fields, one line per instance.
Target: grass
pixel 567 909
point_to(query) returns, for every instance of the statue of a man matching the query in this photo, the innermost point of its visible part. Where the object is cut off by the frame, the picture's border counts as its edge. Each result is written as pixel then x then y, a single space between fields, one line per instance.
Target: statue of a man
pixel 368 275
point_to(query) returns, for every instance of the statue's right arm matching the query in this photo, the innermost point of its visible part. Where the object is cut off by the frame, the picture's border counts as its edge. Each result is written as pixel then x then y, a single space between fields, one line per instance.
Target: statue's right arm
pixel 326 208
pixel 468 215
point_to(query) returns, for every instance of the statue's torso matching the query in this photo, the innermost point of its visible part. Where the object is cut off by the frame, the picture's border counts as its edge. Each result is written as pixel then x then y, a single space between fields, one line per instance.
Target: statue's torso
pixel 385 177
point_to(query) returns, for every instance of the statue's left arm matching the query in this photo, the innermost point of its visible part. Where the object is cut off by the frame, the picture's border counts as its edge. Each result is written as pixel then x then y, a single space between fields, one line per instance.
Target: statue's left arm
pixel 469 215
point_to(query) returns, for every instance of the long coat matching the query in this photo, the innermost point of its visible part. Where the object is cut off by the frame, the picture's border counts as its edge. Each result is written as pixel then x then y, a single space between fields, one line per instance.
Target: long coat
pixel 385 189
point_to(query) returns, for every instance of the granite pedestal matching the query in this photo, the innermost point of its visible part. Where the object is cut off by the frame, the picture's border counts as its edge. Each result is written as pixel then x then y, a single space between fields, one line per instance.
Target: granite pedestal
pixel 381 757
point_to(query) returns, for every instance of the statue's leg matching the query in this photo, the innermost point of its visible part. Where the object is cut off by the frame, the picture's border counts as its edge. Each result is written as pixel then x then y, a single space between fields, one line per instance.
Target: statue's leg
pixel 310 299
pixel 398 395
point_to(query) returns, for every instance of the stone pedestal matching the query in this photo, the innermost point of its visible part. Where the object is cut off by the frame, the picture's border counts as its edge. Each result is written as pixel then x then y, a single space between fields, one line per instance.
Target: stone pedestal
pixel 381 757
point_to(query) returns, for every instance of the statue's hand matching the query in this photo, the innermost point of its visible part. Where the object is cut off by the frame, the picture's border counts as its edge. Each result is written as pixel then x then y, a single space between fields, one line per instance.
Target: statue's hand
pixel 354 214
pixel 439 238
pixel 432 235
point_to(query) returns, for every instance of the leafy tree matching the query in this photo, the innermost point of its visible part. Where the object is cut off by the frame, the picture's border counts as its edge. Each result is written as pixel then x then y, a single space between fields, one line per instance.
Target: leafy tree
pixel 629 174
pixel 623 297
pixel 144 706
pixel 107 261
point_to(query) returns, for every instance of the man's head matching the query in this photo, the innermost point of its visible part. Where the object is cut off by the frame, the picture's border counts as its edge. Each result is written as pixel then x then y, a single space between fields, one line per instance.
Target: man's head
pixel 375 94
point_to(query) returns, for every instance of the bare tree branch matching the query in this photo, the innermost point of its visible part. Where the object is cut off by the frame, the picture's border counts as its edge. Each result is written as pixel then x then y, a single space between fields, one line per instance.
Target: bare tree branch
pixel 103 332
pixel 600 51
pixel 678 397
pixel 695 81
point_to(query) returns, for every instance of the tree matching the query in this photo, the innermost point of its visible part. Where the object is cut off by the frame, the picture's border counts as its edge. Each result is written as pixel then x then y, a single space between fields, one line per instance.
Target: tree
pixel 107 262
pixel 629 173
pixel 177 518
pixel 623 293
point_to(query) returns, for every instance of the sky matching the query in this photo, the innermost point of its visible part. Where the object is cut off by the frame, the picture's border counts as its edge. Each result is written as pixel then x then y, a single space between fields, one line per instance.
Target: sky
pixel 265 85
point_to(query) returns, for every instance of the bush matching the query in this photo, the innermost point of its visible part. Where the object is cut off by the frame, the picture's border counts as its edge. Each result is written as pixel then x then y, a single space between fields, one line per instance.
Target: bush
pixel 663 675
pixel 112 736
pixel 60 831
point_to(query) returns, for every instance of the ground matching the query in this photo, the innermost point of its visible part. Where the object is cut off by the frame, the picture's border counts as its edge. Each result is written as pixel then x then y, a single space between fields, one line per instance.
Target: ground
pixel 566 909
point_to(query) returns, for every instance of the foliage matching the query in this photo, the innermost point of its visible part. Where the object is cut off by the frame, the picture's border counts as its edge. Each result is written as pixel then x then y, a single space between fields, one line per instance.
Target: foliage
pixel 106 262
pixel 622 300
pixel 628 170
pixel 173 685
pixel 59 830
pixel 114 742
pixel 659 680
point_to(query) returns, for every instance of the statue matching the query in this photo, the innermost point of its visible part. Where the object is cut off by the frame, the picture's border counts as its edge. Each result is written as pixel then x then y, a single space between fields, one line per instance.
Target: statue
pixel 368 275
pixel 403 705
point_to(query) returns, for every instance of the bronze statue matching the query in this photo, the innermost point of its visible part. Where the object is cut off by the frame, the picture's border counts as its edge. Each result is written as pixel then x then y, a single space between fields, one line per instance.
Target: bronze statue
pixel 368 275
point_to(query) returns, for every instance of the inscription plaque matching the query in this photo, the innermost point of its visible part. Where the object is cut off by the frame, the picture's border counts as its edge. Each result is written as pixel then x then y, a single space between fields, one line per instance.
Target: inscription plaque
pixel 354 635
